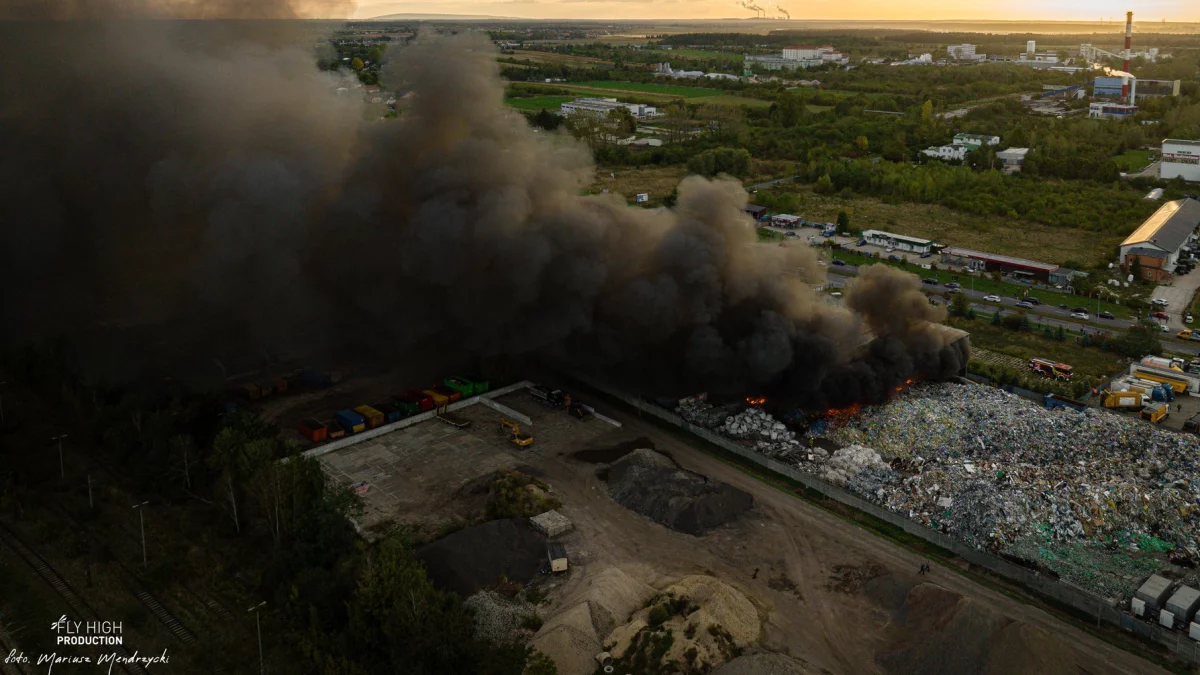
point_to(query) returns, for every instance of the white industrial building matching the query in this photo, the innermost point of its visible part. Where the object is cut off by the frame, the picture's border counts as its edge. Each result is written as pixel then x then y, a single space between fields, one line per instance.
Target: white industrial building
pixel 1012 159
pixel 602 106
pixel 1102 110
pixel 1159 240
pixel 799 57
pixel 964 52
pixel 1180 159
pixel 898 241
pixel 950 152
pixel 975 140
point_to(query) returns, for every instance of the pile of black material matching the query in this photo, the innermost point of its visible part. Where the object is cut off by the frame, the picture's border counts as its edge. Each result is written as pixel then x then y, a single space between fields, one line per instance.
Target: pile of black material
pixel 654 486
pixel 479 556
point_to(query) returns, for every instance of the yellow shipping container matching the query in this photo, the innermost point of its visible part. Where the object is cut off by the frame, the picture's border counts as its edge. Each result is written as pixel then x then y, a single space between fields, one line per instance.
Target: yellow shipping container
pixel 438 400
pixel 374 417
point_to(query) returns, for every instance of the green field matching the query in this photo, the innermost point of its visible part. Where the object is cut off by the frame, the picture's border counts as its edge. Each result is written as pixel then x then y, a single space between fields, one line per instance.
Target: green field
pixel 536 103
pixel 1091 364
pixel 652 88
pixel 1132 161
pixel 697 54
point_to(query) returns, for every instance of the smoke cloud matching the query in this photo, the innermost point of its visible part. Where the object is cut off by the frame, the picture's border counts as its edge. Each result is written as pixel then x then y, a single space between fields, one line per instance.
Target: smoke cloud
pixel 183 190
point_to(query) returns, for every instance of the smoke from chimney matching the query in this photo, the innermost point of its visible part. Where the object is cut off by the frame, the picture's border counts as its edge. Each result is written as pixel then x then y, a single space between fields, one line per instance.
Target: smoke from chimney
pixel 176 190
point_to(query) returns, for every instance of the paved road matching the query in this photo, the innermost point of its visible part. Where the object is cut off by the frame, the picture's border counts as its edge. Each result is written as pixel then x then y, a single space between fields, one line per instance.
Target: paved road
pixel 1148 172
pixel 769 184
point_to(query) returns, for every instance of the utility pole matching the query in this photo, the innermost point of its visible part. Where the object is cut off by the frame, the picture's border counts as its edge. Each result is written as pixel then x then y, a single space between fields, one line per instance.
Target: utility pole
pixel 2 405
pixel 142 521
pixel 62 473
pixel 262 668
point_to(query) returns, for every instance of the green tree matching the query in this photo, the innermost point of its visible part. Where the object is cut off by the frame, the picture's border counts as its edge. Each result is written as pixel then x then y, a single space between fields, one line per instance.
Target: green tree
pixel 843 221
pixel 789 109
pixel 927 113
pixel 356 63
pixel 1135 268
pixel 540 664
pixel 861 143
pixel 996 318
pixel 824 185
pixel 960 304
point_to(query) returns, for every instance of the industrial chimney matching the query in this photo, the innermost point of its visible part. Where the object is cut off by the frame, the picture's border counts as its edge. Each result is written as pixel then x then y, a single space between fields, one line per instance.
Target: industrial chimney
pixel 1128 55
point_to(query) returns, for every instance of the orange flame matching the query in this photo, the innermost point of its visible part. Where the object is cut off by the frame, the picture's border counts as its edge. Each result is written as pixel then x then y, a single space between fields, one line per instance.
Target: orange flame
pixel 755 401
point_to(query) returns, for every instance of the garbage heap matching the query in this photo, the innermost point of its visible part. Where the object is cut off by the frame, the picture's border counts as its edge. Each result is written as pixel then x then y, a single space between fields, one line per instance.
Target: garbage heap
pixel 772 438
pixel 994 469
pixel 697 410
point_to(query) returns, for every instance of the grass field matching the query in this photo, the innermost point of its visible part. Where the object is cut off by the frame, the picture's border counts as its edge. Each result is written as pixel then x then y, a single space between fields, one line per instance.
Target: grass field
pixel 1132 161
pixel 657 181
pixel 1088 362
pixel 652 88
pixel 698 54
pixel 717 97
pixel 552 57
pixel 730 99
pixel 536 103
pixel 993 234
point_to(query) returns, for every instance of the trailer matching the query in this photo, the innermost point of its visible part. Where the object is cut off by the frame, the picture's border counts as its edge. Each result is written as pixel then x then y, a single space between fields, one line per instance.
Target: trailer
pixel 551 397
pixel 557 553
pixel 1180 382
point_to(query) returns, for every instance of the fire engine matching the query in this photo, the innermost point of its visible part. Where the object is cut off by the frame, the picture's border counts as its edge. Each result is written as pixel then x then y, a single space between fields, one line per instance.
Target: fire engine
pixel 1059 371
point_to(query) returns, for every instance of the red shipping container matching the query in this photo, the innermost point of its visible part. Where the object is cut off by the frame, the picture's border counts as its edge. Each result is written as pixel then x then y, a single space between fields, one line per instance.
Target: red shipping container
pixel 313 430
pixel 425 399
pixel 448 393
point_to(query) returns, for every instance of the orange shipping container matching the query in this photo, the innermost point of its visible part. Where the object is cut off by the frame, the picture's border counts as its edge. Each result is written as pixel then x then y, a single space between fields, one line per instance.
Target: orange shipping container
pixel 313 430
pixel 374 417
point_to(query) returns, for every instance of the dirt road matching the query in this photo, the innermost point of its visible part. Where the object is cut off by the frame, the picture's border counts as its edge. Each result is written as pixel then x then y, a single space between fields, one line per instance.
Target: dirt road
pixel 833 595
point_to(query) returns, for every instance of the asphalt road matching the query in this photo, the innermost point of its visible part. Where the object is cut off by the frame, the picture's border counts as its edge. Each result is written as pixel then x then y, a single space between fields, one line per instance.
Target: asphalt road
pixel 1046 314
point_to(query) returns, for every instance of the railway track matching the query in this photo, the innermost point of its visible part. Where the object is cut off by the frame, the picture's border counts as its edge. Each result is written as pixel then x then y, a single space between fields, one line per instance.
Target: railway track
pixel 64 590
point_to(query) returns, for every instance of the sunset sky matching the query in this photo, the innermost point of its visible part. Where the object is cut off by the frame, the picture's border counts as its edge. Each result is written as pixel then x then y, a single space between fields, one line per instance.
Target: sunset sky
pixel 1059 10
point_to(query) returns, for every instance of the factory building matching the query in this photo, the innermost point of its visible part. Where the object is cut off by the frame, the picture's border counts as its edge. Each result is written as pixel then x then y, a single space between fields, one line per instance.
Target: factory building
pixel 1111 87
pixel 1099 110
pixel 602 106
pixel 799 57
pixel 989 262
pixel 1012 159
pixel 964 52
pixel 1157 243
pixel 898 242
pixel 1180 159
pixel 975 141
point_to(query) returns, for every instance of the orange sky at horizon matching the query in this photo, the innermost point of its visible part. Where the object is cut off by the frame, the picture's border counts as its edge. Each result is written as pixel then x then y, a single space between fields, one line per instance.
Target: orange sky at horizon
pixel 1015 10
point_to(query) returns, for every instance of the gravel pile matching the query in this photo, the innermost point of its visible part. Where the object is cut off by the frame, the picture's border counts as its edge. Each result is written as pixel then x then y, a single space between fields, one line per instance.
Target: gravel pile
pixel 652 485
pixel 498 619
pixel 478 556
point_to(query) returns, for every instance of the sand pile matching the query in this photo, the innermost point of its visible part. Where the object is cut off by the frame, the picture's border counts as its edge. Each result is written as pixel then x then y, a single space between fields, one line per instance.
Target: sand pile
pixel 699 622
pixel 652 485
pixel 477 557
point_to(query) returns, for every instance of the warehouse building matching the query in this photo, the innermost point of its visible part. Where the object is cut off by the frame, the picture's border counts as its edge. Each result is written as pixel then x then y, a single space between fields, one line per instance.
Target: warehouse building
pixel 1180 159
pixel 602 106
pixel 989 262
pixel 1012 159
pixel 1157 243
pixel 1100 110
pixel 898 242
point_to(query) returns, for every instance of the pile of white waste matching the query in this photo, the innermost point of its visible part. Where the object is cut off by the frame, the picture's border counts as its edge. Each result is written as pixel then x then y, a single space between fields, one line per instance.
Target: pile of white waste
pixel 846 463
pixel 770 437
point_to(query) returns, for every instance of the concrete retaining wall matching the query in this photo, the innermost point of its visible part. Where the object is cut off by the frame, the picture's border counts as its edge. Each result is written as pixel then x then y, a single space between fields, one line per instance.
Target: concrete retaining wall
pixel 1179 644
pixel 417 419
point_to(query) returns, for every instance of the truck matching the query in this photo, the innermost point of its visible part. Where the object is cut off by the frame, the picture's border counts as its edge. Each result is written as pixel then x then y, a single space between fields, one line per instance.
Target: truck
pixel 1053 401
pixel 1047 368
pixel 1179 382
pixel 546 396
pixel 1192 424
pixel 1155 412
pixel 1123 400
pixel 351 421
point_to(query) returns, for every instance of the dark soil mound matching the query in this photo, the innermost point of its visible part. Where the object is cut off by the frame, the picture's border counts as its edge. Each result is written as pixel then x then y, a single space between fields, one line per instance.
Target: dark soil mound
pixel 612 454
pixel 651 484
pixel 478 556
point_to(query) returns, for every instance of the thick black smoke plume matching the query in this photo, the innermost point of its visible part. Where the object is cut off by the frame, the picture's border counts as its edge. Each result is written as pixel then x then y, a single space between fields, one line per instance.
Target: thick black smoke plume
pixel 178 190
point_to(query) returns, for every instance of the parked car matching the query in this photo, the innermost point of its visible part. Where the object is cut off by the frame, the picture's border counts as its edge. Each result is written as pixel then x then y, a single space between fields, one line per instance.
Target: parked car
pixel 1025 305
pixel 861 242
pixel 894 258
pixel 891 248
pixel 1106 315
pixel 992 298
pixel 1033 301
pixel 1161 315
pixel 839 263
pixel 953 290
pixel 930 280
pixel 1187 317
pixel 1159 301
pixel 933 302
pixel 953 285
pixel 1164 328
pixel 1079 315
pixel 926 254
pixel 1080 310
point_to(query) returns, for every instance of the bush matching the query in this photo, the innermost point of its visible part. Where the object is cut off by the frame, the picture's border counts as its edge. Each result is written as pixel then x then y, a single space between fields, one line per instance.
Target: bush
pixel 658 615
pixel 732 161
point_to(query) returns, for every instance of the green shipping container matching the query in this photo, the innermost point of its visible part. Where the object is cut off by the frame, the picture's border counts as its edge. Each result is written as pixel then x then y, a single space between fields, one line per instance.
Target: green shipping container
pixel 407 405
pixel 480 385
pixel 461 385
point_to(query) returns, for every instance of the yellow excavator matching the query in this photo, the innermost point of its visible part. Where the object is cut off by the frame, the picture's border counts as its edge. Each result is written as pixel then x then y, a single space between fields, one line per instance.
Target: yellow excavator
pixel 515 435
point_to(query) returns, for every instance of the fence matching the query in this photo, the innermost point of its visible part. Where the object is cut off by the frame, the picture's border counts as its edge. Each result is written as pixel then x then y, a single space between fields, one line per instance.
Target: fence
pixel 1090 604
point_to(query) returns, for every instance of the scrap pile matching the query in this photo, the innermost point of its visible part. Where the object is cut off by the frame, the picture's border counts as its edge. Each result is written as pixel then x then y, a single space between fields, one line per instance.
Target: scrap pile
pixel 770 437
pixel 994 470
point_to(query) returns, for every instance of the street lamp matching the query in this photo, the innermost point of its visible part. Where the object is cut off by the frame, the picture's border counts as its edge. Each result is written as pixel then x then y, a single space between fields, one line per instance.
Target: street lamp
pixel 62 473
pixel 142 522
pixel 258 625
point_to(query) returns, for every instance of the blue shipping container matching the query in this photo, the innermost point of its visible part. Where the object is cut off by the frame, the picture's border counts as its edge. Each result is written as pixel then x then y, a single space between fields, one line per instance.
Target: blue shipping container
pixel 351 421
pixel 317 379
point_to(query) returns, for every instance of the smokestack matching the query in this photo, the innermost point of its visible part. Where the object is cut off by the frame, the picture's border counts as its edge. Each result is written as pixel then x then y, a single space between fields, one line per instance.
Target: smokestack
pixel 1128 45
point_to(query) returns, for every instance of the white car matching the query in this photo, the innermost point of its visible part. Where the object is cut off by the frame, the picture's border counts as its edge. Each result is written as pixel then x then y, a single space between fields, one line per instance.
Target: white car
pixel 992 298
pixel 1164 328
pixel 1079 315
pixel 1159 301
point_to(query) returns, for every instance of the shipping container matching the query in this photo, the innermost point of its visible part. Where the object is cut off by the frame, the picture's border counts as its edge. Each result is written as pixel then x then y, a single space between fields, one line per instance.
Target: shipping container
pixel 408 405
pixel 374 417
pixel 351 421
pixel 448 393
pixel 479 383
pixel 461 385
pixel 335 431
pixel 391 413
pixel 422 398
pixel 313 430
pixel 438 399
pixel 266 388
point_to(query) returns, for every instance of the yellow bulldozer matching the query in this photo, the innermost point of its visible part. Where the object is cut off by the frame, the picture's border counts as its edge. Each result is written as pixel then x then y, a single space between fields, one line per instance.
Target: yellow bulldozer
pixel 514 433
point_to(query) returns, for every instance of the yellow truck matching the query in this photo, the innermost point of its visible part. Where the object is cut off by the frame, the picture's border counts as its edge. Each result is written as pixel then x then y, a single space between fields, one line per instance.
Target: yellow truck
pixel 1179 384
pixel 1155 412
pixel 1125 400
